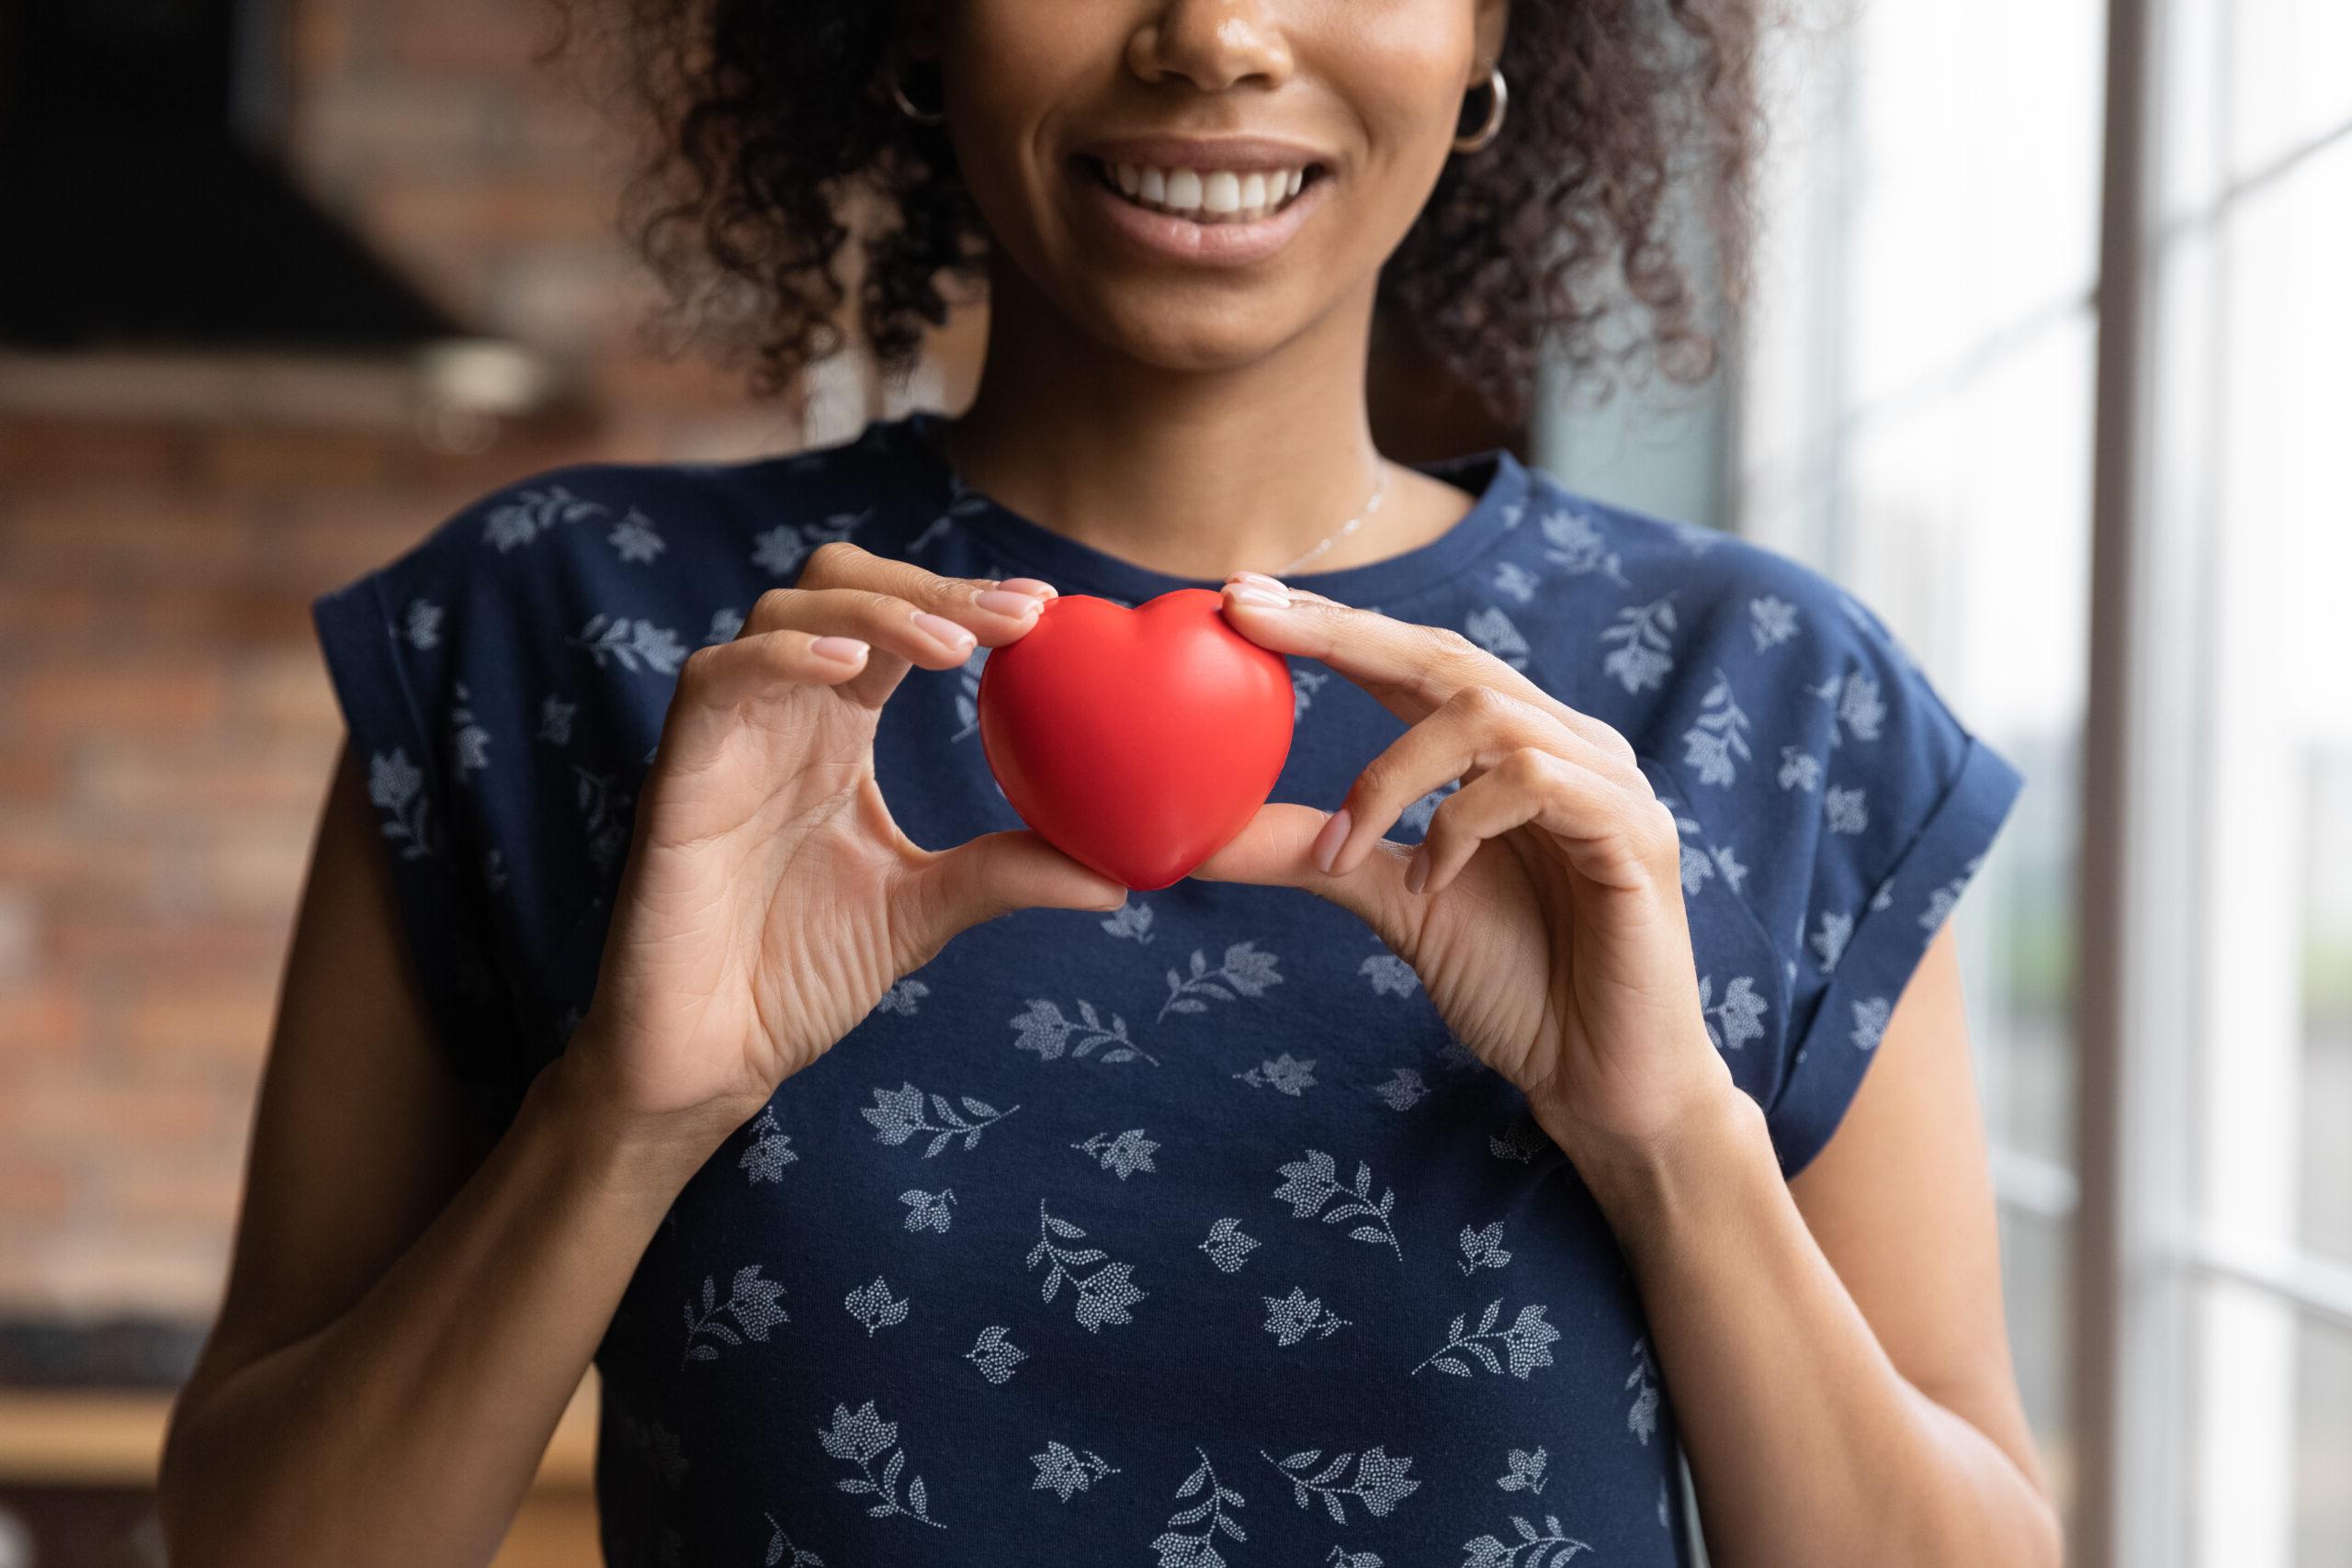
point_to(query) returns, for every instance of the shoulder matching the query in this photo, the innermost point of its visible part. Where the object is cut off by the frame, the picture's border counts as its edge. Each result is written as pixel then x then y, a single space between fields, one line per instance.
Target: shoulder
pixel 596 513
pixel 1682 591
pixel 1697 644
pixel 1821 778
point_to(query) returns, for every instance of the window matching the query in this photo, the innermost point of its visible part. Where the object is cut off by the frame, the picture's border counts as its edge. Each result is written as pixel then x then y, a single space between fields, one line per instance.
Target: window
pixel 2033 439
pixel 1915 418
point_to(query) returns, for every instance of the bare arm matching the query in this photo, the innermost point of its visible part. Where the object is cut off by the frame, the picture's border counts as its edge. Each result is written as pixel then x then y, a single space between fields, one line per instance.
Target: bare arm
pixel 1834 1345
pixel 409 1305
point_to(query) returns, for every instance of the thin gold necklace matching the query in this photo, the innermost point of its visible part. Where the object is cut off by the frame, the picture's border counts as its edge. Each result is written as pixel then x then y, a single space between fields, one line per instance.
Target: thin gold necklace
pixel 936 439
pixel 1379 490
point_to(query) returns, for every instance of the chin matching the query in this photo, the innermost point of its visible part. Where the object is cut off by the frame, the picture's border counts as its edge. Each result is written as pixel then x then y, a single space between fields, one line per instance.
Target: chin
pixel 1161 329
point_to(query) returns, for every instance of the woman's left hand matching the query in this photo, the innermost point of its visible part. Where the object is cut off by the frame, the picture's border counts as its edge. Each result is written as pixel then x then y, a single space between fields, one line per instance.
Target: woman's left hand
pixel 1544 911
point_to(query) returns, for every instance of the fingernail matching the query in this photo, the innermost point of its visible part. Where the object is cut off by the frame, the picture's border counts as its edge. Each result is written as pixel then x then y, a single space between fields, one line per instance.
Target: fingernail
pixel 1251 593
pixel 1043 589
pixel 1273 582
pixel 942 628
pixel 1418 871
pixel 1327 842
pixel 847 650
pixel 1006 602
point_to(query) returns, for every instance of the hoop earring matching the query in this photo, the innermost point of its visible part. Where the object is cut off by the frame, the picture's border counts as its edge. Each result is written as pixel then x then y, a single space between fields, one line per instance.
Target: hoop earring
pixel 908 106
pixel 1486 133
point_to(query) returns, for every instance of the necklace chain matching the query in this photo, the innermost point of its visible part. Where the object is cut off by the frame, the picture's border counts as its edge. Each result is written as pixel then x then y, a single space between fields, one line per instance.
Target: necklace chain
pixel 1379 491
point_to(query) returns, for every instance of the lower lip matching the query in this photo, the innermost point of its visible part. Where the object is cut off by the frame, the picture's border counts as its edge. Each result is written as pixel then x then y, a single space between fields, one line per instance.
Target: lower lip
pixel 1171 237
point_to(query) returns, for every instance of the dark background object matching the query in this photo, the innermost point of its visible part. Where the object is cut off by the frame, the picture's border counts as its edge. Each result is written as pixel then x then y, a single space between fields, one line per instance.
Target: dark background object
pixel 143 199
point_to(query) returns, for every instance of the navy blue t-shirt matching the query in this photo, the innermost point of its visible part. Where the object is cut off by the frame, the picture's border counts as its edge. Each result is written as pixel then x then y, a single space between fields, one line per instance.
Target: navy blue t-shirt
pixel 1185 1234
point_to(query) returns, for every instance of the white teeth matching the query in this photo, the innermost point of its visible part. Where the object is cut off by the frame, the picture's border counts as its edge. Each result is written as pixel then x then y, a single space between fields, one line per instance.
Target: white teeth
pixel 1225 195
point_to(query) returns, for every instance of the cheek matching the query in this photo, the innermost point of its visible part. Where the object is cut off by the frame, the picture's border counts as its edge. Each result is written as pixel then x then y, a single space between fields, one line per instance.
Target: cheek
pixel 1403 79
pixel 1018 65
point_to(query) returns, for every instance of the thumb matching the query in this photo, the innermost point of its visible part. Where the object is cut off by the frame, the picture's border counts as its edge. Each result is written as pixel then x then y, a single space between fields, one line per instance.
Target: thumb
pixel 995 873
pixel 1276 849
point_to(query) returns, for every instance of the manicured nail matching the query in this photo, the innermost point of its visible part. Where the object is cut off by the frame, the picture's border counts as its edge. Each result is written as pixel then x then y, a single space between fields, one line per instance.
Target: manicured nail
pixel 1042 589
pixel 1251 593
pixel 1418 872
pixel 847 650
pixel 1327 842
pixel 941 628
pixel 1004 602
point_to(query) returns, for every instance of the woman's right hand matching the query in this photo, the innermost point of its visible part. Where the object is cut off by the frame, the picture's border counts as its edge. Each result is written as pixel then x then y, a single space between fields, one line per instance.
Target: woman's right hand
pixel 769 901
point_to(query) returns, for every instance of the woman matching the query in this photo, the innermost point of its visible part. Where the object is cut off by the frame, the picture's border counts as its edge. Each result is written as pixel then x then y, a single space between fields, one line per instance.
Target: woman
pixel 1484 1125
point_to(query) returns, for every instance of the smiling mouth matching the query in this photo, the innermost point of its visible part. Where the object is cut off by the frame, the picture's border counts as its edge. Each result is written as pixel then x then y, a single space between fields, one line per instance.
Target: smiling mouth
pixel 1207 196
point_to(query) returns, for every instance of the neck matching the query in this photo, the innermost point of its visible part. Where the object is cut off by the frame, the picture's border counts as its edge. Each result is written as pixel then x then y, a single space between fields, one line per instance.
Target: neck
pixel 1193 473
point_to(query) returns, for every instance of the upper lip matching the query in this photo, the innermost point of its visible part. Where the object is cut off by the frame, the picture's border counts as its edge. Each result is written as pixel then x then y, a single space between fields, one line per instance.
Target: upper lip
pixel 1240 154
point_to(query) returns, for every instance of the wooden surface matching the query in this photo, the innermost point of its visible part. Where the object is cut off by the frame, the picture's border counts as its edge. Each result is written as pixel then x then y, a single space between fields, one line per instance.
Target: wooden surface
pixel 107 1440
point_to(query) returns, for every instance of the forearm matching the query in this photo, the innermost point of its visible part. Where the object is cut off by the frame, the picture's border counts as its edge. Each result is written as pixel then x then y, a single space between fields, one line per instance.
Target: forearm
pixel 406 1430
pixel 1806 1442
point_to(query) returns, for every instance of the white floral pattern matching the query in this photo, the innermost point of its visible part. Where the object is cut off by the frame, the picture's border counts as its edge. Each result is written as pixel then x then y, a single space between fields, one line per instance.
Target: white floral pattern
pixel 1066 1472
pixel 861 1437
pixel 1310 1183
pixel 770 1149
pixel 1525 1471
pixel 898 1114
pixel 1228 1245
pixel 1732 1022
pixel 928 1210
pixel 1483 1248
pixel 1246 970
pixel 1293 1317
pixel 751 1304
pixel 994 1354
pixel 1526 1343
pixel 1043 1028
pixel 1197 1548
pixel 1104 1295
pixel 1642 1419
pixel 1124 1154
pixel 1379 1484
pixel 1549 1549
pixel 872 1305
pixel 531 512
pixel 1285 1073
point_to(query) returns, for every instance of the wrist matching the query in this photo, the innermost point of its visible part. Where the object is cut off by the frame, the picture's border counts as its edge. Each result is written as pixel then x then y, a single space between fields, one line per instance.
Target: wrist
pixel 631 1153
pixel 1645 1183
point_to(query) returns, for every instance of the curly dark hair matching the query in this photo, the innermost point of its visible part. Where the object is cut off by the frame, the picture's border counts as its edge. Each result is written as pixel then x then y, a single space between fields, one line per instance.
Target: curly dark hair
pixel 772 152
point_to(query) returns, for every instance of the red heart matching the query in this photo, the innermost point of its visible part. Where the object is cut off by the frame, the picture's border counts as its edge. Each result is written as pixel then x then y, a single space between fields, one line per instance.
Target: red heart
pixel 1137 742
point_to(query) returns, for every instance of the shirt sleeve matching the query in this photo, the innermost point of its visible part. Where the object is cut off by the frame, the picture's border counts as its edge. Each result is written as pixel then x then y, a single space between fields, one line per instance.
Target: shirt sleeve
pixel 429 657
pixel 1893 803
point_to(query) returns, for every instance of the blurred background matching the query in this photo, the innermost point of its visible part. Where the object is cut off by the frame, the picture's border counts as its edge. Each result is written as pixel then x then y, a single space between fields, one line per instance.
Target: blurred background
pixel 2045 363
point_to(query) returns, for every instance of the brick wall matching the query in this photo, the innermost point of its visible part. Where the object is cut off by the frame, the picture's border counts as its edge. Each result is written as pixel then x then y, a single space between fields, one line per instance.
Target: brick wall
pixel 165 726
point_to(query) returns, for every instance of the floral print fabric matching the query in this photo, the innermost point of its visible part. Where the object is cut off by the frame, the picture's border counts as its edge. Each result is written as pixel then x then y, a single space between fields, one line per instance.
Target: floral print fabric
pixel 1181 1236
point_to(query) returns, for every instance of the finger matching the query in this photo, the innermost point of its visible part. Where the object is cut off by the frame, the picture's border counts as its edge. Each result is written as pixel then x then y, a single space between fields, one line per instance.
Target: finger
pixel 969 611
pixel 1476 728
pixel 902 634
pixel 1275 849
pixel 1617 837
pixel 993 874
pixel 1410 668
pixel 718 680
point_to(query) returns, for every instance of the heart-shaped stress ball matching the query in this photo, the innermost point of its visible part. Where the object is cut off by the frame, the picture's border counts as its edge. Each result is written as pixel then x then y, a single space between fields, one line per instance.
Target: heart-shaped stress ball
pixel 1137 742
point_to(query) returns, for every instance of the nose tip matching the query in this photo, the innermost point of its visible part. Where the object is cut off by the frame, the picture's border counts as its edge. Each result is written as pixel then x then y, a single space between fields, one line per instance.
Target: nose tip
pixel 1214 44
